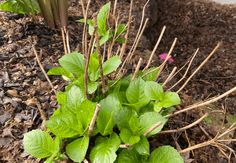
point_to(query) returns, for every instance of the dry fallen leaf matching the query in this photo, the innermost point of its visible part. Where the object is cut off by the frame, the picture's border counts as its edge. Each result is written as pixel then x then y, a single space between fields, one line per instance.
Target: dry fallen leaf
pixel 13 92
pixel 31 102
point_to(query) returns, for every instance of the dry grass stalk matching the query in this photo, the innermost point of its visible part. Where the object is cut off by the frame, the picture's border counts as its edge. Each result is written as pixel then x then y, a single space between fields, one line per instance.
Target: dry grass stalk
pixel 64 41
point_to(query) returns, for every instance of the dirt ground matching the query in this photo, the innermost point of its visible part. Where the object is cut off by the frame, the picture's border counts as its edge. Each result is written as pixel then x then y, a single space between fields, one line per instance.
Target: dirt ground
pixel 24 89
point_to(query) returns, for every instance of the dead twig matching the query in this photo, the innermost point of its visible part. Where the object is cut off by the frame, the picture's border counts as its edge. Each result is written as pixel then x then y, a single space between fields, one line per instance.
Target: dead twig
pixel 42 69
pixel 91 126
pixel 152 128
pixel 155 48
pixel 170 76
pixel 199 67
pixel 137 68
pixel 186 72
pixel 186 127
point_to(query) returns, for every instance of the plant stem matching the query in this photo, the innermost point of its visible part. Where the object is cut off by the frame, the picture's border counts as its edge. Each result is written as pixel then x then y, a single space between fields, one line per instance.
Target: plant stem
pixel 91 126
pixel 99 58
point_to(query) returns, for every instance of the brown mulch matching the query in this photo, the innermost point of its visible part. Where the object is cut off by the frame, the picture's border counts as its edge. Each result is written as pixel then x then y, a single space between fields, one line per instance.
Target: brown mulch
pixel 23 87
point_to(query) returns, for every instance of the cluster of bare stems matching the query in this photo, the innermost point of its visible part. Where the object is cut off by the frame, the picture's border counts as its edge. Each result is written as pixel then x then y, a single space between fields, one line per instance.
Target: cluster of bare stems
pixel 107 50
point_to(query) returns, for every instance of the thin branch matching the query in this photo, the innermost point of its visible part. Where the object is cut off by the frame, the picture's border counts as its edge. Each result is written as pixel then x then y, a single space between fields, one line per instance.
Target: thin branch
pixel 64 41
pixel 201 65
pixel 161 67
pixel 170 76
pixel 204 144
pixel 124 146
pixel 91 126
pixel 131 51
pixel 122 51
pixel 203 103
pixel 67 40
pixel 137 68
pixel 99 58
pixel 186 127
pixel 186 72
pixel 155 48
pixel 42 69
pixel 152 128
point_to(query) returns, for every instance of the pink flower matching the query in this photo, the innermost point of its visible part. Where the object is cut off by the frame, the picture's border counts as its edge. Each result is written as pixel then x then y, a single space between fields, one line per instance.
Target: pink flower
pixel 163 57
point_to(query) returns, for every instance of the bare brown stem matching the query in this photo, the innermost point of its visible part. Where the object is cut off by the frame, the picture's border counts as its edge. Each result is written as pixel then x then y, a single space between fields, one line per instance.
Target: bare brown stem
pixel 199 67
pixel 91 126
pixel 137 68
pixel 186 127
pixel 169 76
pixel 155 48
pixel 152 129
pixel 42 69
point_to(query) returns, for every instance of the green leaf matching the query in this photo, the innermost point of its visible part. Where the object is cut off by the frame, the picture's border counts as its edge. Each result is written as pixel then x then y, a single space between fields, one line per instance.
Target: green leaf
pixel 65 125
pixel 135 125
pixel 165 154
pixel 111 65
pixel 85 113
pixel 120 29
pixel 106 37
pixel 93 67
pixel 149 119
pixel 170 99
pixel 135 93
pixel 60 71
pixel 105 150
pixel 128 137
pixel 150 74
pixel 39 144
pixel 92 87
pixel 129 156
pixel 20 6
pixel 105 120
pixel 154 90
pixel 142 147
pixel 123 116
pixel 120 40
pixel 74 99
pixel 73 62
pixel 77 149
pixel 102 19
pixel 61 98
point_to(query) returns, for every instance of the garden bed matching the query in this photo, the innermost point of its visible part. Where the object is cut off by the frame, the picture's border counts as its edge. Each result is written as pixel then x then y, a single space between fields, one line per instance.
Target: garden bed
pixel 24 89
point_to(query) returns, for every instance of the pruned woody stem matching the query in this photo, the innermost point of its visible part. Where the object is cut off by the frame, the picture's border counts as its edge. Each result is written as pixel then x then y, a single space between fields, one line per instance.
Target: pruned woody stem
pixel 217 141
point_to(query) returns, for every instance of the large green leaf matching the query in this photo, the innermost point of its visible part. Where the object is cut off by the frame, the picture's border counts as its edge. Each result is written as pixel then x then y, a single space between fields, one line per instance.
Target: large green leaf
pixel 105 37
pixel 77 149
pixel 74 99
pixel 149 119
pixel 128 137
pixel 129 156
pixel 65 125
pixel 165 154
pixel 39 144
pixel 154 90
pixel 135 93
pixel 142 147
pixel 111 65
pixel 73 62
pixel 106 121
pixel 105 150
pixel 102 19
pixel 123 116
pixel 85 113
